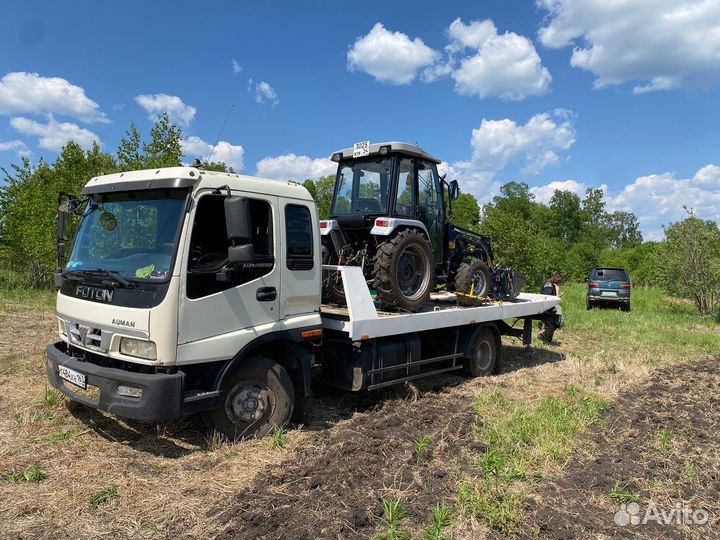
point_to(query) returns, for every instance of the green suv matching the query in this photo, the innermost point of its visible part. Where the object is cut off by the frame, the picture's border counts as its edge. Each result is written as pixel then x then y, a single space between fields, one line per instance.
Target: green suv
pixel 609 287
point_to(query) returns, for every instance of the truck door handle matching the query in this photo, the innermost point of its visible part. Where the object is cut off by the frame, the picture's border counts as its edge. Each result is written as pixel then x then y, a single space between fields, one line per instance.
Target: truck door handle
pixel 266 294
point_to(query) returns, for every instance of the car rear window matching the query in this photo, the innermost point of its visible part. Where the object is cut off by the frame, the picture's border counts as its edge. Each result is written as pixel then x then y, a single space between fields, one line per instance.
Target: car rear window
pixel 605 274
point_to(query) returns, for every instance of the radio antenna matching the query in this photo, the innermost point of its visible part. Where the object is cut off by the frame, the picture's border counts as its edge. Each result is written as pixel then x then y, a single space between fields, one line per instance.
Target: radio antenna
pixel 217 140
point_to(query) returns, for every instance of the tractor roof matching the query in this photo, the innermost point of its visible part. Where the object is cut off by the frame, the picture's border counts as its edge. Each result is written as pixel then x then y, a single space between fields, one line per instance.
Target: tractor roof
pixel 396 147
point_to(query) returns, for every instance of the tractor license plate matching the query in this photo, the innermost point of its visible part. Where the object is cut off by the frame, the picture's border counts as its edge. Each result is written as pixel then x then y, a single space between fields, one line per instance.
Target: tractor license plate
pixel 72 376
pixel 361 149
pixel 609 293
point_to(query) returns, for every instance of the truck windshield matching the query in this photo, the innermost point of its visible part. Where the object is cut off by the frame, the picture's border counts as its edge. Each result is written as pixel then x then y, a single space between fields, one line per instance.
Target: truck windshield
pixel 362 186
pixel 133 234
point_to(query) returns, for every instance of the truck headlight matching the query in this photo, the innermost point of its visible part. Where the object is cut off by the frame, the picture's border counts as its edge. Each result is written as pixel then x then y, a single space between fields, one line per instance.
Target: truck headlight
pixel 138 348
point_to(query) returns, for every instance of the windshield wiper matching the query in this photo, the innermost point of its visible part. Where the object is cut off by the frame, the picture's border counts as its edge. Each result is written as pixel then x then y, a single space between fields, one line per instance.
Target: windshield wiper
pixel 118 279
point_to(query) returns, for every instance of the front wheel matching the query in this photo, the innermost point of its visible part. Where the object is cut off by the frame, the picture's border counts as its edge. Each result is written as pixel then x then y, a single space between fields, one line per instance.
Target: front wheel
pixel 472 278
pixel 255 399
pixel 404 271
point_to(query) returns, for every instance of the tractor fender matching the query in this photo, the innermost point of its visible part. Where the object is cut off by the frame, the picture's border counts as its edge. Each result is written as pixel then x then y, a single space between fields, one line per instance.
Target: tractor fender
pixel 390 224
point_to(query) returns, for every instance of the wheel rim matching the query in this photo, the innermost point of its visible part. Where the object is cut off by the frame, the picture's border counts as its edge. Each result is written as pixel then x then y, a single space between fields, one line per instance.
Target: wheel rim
pixel 483 355
pixel 479 283
pixel 246 405
pixel 413 273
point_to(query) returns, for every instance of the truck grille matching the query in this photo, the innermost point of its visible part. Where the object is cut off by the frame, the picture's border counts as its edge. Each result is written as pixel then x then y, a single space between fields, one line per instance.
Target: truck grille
pixel 85 336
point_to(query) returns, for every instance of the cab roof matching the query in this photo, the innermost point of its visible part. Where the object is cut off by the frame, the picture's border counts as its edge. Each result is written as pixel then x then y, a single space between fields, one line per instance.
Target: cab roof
pixel 395 146
pixel 192 178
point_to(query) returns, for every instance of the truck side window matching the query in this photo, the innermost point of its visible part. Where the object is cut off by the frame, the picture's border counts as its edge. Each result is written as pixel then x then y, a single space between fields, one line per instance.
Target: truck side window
pixel 209 245
pixel 298 227
pixel 405 202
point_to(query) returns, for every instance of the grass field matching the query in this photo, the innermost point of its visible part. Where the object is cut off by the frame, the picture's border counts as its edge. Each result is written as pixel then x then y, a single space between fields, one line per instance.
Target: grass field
pixel 450 457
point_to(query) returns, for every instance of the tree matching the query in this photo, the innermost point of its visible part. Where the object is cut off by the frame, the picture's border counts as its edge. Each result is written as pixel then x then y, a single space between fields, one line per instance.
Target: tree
pixel 566 217
pixel 164 149
pixel 129 153
pixel 322 191
pixel 688 262
pixel 466 212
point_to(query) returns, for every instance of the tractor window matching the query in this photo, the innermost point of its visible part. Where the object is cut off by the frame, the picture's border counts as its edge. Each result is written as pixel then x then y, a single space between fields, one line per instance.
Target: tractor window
pixel 428 187
pixel 405 203
pixel 362 187
pixel 209 247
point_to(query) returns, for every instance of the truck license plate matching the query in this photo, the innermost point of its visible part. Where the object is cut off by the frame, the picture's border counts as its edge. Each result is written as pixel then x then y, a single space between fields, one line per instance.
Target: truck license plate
pixel 608 293
pixel 72 376
pixel 361 149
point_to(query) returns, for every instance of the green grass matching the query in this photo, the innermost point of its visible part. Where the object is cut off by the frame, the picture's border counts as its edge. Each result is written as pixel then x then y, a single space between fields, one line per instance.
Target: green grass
pixel 52 397
pixel 660 326
pixel 623 496
pixel 519 440
pixel 103 497
pixel 16 293
pixel 441 520
pixel 392 519
pixel 279 438
pixel 33 474
pixel 663 440
pixel 422 445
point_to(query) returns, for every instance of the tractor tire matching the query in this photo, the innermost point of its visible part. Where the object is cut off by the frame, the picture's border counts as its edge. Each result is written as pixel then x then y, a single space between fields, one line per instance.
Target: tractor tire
pixel 472 276
pixel 404 271
pixel 257 397
pixel 333 291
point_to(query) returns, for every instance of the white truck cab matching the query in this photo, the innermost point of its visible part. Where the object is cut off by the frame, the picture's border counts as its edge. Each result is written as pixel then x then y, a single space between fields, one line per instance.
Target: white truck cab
pixel 190 291
pixel 154 315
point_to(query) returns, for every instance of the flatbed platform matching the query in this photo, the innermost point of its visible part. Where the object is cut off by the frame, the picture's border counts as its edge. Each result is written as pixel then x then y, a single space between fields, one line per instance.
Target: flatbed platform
pixel 362 319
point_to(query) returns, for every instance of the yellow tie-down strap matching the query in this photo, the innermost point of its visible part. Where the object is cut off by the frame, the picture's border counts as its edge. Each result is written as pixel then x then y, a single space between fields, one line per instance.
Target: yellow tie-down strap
pixel 483 299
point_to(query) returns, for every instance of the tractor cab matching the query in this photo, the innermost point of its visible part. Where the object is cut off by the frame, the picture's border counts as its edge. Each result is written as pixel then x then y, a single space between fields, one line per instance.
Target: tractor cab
pixel 394 180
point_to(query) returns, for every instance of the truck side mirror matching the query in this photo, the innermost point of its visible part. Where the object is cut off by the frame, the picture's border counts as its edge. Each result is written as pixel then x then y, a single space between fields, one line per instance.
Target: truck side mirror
pixel 454 190
pixel 239 230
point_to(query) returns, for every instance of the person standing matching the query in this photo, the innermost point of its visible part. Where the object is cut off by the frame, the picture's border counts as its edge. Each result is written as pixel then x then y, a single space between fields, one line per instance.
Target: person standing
pixel 552 288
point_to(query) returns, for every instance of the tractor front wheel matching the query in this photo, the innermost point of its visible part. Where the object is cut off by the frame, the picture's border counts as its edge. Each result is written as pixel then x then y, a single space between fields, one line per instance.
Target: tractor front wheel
pixel 404 271
pixel 473 279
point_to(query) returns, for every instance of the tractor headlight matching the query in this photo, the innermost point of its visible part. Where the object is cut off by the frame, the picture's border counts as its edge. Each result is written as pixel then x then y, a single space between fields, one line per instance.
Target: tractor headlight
pixel 138 348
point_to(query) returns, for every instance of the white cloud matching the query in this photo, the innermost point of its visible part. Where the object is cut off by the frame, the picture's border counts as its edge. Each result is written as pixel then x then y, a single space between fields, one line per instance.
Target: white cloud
pixel 17 146
pixel 658 199
pixel 504 65
pixel 543 194
pixel 54 135
pixel 230 154
pixel 496 144
pixel 265 93
pixel 157 104
pixel 237 68
pixel 390 57
pixel 293 167
pixel 667 44
pixel 29 93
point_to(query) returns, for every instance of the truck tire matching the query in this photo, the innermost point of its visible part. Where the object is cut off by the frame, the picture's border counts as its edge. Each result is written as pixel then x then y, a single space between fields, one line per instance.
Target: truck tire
pixel 255 399
pixel 404 271
pixel 482 357
pixel 473 276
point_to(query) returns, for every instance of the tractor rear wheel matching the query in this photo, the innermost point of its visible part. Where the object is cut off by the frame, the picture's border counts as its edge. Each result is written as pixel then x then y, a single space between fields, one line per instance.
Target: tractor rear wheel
pixel 472 278
pixel 332 283
pixel 404 271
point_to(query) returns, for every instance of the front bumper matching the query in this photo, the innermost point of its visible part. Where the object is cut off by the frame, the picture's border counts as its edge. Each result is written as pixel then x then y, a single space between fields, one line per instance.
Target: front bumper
pixel 162 394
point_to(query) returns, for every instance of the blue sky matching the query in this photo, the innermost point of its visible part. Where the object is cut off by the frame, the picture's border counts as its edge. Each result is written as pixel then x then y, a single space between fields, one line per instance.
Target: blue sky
pixel 558 93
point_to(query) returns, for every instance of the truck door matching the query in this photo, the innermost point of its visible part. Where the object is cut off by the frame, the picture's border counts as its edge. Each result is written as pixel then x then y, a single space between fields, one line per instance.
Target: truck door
pixel 430 206
pixel 218 298
pixel 301 268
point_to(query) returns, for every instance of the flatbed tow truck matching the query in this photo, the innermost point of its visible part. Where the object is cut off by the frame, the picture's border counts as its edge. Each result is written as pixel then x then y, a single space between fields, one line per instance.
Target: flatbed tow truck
pixel 191 291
